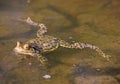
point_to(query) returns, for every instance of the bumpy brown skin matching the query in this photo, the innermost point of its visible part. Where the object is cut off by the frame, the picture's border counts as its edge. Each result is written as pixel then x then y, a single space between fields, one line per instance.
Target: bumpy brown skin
pixel 45 43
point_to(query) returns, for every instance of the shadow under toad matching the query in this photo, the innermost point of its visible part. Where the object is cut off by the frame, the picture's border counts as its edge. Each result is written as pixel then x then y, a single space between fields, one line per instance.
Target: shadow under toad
pixel 27 34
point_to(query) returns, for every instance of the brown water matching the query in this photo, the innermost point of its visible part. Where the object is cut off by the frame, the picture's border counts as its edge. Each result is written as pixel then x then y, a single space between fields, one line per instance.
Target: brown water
pixel 93 21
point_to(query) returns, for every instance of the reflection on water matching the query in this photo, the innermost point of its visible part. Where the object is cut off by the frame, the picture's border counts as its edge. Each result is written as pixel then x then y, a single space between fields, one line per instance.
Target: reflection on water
pixel 96 22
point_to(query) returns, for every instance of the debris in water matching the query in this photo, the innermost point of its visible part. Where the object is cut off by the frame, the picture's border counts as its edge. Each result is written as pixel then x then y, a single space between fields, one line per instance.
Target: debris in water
pixel 29 63
pixel 28 1
pixel 70 38
pixel 98 69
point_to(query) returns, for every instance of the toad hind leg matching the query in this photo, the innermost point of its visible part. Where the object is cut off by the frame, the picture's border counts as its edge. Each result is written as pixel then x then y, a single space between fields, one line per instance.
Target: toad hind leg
pixel 42 28
pixel 79 45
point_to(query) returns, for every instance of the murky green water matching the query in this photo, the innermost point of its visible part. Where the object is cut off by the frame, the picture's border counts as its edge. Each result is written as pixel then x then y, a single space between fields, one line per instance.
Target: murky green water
pixel 93 21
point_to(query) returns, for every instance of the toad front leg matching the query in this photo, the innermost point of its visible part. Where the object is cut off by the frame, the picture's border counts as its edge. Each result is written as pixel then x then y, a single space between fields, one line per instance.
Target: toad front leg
pixel 41 59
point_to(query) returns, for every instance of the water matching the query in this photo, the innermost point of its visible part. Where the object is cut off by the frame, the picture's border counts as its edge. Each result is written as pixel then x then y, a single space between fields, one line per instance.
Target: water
pixel 96 22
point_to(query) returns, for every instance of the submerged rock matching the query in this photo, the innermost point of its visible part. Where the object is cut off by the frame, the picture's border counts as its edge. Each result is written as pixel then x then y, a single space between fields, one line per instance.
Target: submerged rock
pixel 95 80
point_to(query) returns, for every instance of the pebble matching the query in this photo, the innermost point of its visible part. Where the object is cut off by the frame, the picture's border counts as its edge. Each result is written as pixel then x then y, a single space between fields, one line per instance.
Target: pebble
pixel 47 76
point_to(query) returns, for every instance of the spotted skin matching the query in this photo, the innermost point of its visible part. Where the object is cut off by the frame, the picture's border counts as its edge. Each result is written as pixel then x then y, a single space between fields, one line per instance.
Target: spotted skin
pixel 45 43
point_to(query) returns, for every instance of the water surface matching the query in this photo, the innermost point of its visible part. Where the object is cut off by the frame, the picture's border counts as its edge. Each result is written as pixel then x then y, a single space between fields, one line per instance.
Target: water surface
pixel 96 22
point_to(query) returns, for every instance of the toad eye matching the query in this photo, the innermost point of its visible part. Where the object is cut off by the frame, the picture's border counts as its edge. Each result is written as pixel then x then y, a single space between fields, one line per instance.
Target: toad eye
pixel 26 47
